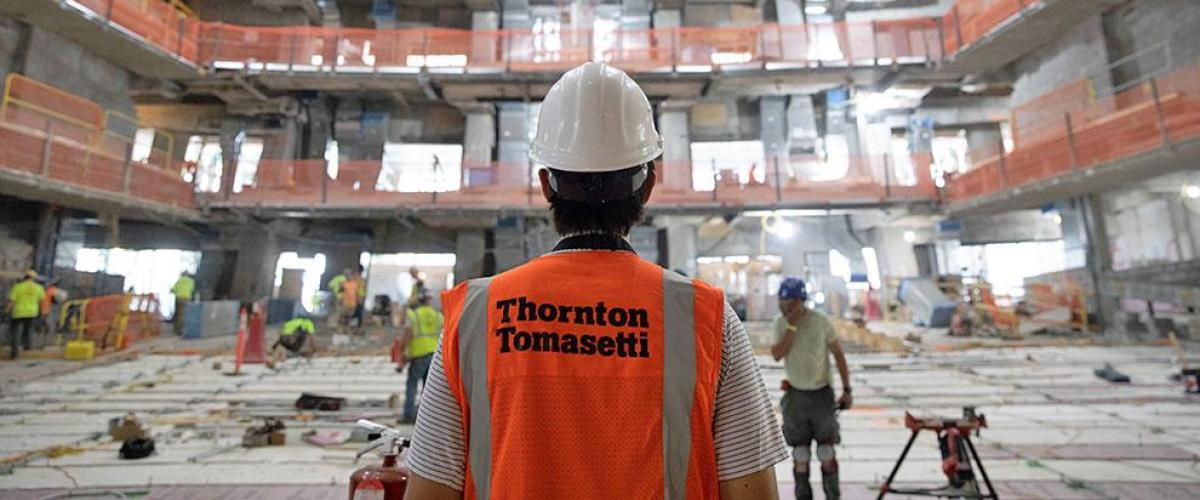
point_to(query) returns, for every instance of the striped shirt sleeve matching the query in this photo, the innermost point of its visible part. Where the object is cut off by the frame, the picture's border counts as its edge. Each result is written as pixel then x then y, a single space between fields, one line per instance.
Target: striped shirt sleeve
pixel 747 436
pixel 438 451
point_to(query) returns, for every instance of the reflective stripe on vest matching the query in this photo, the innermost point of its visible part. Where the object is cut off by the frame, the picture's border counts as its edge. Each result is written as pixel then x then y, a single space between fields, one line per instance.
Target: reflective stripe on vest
pixel 686 402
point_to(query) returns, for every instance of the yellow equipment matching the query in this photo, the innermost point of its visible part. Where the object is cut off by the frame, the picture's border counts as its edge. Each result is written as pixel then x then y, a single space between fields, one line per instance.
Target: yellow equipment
pixel 81 350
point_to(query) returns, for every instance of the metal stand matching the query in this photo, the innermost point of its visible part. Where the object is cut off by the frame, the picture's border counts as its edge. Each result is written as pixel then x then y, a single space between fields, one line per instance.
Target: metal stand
pixel 956 434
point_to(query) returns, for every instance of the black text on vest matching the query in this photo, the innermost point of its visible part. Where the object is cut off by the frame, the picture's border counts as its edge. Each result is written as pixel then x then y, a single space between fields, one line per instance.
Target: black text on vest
pixel 626 344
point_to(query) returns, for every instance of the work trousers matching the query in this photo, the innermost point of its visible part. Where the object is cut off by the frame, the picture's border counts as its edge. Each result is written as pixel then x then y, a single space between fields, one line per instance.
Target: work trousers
pixel 418 371
pixel 25 327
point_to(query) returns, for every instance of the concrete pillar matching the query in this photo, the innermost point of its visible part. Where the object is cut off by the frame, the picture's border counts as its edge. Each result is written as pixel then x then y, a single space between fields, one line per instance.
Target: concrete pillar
pixel 789 12
pixel 479 140
pixel 983 142
pixel 677 149
pixel 1074 232
pixel 485 21
pixel 254 271
pixel 509 244
pixel 681 247
pixel 635 14
pixel 667 18
pixel 513 143
pixel 469 248
pixel 231 134
pixel 773 116
pixel 1099 253
pixel 47 239
pixel 515 14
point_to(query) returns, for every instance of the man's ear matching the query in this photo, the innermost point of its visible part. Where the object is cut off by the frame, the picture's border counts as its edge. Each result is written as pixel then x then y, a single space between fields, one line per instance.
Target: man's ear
pixel 544 180
pixel 648 186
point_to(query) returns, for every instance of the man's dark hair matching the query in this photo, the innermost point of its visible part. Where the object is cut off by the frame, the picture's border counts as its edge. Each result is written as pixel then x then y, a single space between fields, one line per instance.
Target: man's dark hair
pixel 614 217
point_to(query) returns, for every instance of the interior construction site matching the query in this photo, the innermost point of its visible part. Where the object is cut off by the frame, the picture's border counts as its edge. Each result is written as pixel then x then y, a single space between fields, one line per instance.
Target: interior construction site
pixel 228 226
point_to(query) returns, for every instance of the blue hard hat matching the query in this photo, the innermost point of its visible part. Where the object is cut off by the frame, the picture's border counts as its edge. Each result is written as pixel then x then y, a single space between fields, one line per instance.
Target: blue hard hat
pixel 793 288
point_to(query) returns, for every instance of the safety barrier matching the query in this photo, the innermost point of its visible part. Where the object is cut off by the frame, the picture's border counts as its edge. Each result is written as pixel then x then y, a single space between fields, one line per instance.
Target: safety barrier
pixel 328 49
pixel 970 20
pixel 111 321
pixel 53 134
pixel 795 180
pixel 1071 130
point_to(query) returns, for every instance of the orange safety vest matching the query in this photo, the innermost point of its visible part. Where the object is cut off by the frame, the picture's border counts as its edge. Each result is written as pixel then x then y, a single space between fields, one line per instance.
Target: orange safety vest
pixel 587 374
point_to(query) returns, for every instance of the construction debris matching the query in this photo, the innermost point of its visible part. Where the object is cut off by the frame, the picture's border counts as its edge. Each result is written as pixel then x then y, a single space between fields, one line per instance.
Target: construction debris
pixel 271 433
pixel 1111 374
pixel 127 427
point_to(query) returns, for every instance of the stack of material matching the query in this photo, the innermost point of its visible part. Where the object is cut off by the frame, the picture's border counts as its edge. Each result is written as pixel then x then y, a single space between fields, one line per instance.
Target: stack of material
pixel 212 318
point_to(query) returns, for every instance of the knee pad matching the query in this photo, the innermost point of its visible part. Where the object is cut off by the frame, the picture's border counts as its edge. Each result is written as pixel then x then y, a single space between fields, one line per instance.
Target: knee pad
pixel 802 454
pixel 826 453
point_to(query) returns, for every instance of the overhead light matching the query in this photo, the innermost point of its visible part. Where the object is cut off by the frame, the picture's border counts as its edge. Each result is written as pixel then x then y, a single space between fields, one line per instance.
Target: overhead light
pixel 815 10
pixel 973 88
pixel 1057 218
pixel 437 60
pixel 910 236
pixel 1191 191
pixel 785 230
pixel 731 57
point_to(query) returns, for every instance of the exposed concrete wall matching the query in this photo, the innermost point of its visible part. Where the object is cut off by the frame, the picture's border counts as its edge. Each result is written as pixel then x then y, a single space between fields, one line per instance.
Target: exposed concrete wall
pixel 66 65
pixel 725 120
pixel 677 151
pixel 1141 25
pixel 246 13
pixel 1079 53
pixel 469 250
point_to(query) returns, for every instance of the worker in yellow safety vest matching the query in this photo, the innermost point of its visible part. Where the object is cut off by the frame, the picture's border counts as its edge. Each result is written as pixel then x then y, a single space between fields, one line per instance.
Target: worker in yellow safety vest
pixel 335 287
pixel 295 338
pixel 183 290
pixel 417 345
pixel 23 308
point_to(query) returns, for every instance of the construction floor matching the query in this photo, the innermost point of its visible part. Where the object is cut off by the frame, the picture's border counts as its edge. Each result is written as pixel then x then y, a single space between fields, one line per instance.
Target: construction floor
pixel 1056 430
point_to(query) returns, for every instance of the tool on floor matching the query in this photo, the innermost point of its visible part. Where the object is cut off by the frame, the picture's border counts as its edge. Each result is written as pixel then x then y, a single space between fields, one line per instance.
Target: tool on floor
pixel 136 448
pixel 389 478
pixel 308 401
pixel 1111 374
pixel 958 456
pixel 271 433
pixel 1189 376
pixel 127 427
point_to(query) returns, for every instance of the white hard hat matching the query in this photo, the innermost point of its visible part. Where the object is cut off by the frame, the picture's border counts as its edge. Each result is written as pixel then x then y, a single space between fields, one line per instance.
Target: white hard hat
pixel 595 119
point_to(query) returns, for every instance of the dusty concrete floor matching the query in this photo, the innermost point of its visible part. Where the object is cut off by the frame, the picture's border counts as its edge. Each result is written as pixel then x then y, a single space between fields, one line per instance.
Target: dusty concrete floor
pixel 1056 431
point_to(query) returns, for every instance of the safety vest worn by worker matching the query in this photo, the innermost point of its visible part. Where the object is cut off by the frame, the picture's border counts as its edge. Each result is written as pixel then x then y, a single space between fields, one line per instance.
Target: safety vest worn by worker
pixel 426 323
pixel 26 298
pixel 184 288
pixel 587 374
pixel 292 325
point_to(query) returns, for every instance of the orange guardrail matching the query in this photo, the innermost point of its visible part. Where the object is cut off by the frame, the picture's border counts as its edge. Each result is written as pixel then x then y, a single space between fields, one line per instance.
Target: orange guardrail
pixel 969 20
pixel 307 48
pixel 1070 129
pixel 53 134
pixel 795 180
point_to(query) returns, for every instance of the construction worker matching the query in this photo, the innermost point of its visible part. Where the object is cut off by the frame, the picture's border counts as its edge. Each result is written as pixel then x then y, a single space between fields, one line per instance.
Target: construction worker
pixel 294 338
pixel 417 345
pixel 350 297
pixel 23 308
pixel 360 296
pixel 589 372
pixel 52 296
pixel 418 287
pixel 335 287
pixel 804 339
pixel 183 289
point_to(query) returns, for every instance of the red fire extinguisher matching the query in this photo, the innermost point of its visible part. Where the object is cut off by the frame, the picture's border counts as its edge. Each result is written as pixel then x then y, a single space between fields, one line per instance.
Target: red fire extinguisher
pixel 387 480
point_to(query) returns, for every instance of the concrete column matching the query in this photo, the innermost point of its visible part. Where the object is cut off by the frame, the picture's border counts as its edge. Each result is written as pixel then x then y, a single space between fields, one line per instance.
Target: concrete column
pixel 667 18
pixel 983 142
pixel 47 239
pixel 469 248
pixel 231 144
pixel 509 244
pixel 773 115
pixel 677 152
pixel 1099 253
pixel 1074 231
pixel 254 271
pixel 479 140
pixel 513 143
pixel 681 245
